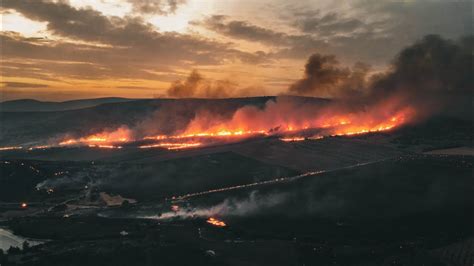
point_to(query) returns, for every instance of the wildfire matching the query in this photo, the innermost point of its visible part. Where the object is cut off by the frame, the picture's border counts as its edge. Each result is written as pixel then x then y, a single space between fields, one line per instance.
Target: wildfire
pixel 215 222
pixel 288 121
pixel 369 126
pixel 220 133
pixel 105 139
pixel 331 125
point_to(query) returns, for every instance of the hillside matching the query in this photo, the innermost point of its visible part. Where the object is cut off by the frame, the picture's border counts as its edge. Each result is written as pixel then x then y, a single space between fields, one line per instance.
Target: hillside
pixel 29 105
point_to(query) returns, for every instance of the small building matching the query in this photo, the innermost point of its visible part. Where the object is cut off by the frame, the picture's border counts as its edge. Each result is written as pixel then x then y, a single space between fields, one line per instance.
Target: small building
pixel 111 201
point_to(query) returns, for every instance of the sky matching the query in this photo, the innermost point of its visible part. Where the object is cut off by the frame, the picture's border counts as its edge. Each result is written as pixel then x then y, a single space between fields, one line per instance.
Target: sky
pixel 62 50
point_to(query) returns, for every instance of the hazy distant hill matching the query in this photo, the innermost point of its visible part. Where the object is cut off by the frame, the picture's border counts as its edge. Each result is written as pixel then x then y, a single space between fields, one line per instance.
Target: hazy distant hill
pixel 28 105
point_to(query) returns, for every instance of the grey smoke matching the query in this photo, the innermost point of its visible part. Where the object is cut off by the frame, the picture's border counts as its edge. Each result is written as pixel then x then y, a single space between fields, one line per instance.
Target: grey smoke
pixel 198 86
pixel 325 77
pixel 435 74
pixel 252 204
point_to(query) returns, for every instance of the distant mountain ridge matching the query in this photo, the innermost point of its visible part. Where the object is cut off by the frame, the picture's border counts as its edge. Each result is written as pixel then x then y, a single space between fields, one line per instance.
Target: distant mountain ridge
pixel 30 105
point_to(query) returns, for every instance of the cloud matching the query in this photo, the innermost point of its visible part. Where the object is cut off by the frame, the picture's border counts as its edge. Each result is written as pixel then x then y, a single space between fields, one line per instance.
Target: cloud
pixel 368 31
pixel 374 31
pixel 135 88
pixel 86 44
pixel 412 19
pixel 286 45
pixel 97 46
pixel 243 30
pixel 160 7
pixel 11 84
pixel 328 24
pixel 90 25
pixel 52 60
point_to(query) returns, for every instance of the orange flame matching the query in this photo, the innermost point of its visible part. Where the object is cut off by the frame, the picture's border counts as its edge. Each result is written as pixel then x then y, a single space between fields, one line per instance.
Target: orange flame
pixel 294 139
pixel 366 124
pixel 172 146
pixel 215 222
pixel 10 148
pixel 105 138
pixel 104 146
pixel 40 147
pixel 287 117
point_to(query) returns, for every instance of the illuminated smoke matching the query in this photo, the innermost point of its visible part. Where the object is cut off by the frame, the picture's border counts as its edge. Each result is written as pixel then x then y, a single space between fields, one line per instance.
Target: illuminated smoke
pixel 197 86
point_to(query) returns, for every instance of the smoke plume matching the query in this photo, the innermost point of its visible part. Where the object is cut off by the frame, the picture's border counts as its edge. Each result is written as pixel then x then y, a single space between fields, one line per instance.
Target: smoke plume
pixel 433 74
pixel 254 203
pixel 324 77
pixel 197 86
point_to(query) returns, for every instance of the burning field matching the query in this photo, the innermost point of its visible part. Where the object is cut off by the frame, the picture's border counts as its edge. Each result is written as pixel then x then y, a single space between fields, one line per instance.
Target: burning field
pixel 286 118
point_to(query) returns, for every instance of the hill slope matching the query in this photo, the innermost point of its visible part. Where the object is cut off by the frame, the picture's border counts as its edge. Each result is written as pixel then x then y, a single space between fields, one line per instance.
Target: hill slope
pixel 28 105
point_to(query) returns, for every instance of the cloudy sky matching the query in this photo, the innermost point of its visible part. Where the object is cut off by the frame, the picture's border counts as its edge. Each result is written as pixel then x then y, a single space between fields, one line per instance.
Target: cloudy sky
pixel 59 50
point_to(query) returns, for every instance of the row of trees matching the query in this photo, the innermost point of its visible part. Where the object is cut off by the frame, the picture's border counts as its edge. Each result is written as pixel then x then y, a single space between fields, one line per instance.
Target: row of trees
pixel 13 251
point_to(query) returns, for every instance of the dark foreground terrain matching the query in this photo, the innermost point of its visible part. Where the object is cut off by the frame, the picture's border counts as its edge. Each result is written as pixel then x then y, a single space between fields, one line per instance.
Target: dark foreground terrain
pixel 412 210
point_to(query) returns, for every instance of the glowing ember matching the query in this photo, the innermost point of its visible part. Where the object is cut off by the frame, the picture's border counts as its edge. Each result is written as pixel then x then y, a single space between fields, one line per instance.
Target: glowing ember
pixel 292 139
pixel 171 146
pixel 104 146
pixel 215 222
pixel 39 147
pixel 10 148
pixel 159 137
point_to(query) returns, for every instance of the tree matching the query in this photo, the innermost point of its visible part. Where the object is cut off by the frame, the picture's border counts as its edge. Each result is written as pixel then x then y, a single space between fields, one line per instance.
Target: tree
pixel 14 250
pixel 26 246
pixel 3 257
